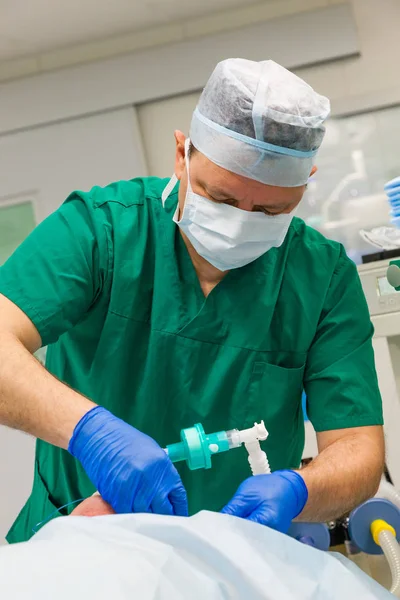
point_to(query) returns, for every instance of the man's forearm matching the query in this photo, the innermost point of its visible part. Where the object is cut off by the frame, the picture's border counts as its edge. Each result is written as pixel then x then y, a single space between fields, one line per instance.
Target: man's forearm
pixel 32 400
pixel 342 476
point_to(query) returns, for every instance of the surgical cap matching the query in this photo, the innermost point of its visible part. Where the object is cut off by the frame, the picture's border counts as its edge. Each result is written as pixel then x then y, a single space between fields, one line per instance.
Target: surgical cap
pixel 259 120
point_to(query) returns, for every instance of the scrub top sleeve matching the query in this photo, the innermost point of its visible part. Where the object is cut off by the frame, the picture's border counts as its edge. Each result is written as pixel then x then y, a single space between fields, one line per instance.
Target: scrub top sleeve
pixel 340 379
pixel 56 274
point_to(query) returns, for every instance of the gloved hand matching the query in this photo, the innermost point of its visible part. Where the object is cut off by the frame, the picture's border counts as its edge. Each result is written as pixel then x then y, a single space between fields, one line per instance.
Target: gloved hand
pixel 273 500
pixel 128 468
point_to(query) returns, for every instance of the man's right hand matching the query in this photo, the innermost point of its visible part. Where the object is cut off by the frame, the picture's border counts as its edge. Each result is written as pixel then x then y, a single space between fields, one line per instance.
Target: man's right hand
pixel 129 469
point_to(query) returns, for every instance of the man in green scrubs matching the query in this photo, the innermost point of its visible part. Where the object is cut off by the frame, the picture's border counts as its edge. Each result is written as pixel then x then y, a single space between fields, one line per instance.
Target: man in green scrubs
pixel 164 304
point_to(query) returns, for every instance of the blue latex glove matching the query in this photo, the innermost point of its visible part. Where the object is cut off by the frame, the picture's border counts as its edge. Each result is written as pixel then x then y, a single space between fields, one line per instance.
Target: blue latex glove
pixel 128 468
pixel 273 500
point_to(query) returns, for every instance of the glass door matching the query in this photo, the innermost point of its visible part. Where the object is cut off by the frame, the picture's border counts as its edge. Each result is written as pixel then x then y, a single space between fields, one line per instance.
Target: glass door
pixel 16 222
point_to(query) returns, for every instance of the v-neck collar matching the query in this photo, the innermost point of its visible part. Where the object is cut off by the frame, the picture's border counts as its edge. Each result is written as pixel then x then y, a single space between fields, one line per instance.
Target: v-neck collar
pixel 187 311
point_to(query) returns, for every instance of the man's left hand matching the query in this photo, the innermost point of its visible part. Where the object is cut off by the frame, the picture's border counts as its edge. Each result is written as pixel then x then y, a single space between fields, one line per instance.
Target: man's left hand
pixel 273 500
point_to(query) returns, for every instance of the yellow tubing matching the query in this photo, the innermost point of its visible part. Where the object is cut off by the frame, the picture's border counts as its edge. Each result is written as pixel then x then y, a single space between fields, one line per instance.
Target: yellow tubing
pixel 380 525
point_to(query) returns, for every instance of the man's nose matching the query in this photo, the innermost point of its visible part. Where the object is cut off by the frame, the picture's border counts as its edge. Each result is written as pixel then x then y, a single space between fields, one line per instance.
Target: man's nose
pixel 246 204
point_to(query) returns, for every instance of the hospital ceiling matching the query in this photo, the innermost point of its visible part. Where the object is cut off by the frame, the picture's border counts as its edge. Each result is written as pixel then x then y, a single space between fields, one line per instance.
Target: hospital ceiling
pixel 30 27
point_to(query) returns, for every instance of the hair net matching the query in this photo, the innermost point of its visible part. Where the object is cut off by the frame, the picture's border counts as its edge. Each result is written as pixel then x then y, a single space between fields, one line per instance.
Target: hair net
pixel 259 120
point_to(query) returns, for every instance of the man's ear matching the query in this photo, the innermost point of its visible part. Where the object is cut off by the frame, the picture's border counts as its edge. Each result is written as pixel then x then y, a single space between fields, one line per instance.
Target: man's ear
pixel 179 153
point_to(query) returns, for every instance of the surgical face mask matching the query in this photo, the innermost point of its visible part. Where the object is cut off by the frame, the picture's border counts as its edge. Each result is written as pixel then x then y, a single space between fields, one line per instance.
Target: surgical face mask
pixel 225 236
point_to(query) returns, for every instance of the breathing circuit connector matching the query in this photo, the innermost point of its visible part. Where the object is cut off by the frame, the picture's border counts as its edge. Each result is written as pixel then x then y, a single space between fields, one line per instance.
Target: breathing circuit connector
pixel 196 447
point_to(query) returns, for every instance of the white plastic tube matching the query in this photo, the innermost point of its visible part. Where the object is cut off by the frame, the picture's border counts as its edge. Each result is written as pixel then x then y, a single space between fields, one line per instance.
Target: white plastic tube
pixel 251 439
pixel 391 550
pixel 388 492
pixel 258 461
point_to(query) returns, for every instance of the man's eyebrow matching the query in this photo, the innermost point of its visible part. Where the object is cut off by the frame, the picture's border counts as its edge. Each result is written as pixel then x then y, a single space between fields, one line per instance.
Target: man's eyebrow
pixel 215 191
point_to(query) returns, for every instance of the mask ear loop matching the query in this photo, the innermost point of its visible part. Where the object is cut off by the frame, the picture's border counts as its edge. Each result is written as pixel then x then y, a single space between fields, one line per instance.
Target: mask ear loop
pixel 169 188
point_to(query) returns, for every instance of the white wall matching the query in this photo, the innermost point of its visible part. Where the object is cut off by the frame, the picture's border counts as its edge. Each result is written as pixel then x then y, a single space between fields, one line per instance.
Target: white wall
pixel 49 162
pixel 158 121
pixel 176 68
pixel 353 84
pixel 185 29
pixel 372 79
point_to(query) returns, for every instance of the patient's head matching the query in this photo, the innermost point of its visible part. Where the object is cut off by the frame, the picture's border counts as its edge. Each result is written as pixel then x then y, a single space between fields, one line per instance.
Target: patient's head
pixel 94 506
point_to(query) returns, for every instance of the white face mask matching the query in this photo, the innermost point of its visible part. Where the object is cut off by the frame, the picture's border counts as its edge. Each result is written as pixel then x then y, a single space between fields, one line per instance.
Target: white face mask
pixel 225 236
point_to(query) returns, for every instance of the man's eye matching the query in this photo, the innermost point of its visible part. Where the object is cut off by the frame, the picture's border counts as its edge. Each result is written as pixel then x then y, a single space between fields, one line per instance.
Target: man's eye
pixel 270 214
pixel 229 201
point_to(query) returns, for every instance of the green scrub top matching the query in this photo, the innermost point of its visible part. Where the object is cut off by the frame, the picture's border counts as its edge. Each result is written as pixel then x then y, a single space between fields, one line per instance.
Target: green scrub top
pixel 109 284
